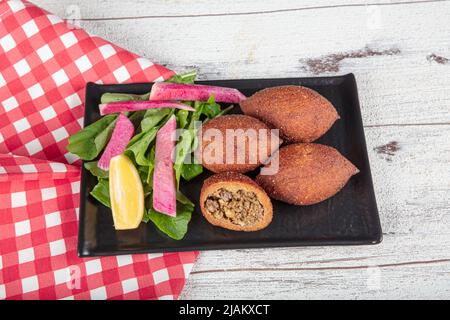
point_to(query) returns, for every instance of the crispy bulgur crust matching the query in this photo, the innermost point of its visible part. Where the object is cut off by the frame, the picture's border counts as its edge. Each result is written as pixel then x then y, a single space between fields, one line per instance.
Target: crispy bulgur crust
pixel 234 122
pixel 308 173
pixel 301 114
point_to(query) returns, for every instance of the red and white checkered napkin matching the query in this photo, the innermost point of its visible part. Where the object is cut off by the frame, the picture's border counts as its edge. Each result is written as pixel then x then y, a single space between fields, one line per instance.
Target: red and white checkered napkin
pixel 44 67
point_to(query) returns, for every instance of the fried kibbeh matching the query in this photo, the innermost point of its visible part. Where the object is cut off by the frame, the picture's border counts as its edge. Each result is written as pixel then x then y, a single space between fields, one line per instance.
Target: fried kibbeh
pixel 236 143
pixel 308 173
pixel 301 114
pixel 234 201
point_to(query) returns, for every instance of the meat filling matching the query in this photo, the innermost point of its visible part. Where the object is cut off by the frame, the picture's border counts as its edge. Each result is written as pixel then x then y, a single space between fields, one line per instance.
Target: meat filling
pixel 241 207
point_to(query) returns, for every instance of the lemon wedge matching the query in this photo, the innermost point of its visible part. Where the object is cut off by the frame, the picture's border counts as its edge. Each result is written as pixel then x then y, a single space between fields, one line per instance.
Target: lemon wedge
pixel 126 193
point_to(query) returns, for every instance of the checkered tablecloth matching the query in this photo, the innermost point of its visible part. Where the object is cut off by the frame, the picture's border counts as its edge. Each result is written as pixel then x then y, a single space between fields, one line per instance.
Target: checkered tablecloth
pixel 45 64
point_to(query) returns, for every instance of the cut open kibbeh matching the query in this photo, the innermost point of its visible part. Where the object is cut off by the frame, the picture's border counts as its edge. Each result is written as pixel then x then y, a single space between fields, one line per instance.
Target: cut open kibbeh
pixel 234 201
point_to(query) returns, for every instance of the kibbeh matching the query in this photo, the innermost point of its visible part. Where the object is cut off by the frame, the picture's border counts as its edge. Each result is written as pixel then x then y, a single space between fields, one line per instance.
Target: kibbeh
pixel 301 114
pixel 236 143
pixel 308 173
pixel 234 201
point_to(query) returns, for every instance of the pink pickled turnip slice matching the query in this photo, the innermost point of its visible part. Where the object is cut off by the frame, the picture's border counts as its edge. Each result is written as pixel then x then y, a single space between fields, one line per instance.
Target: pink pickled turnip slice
pixel 164 188
pixel 123 106
pixel 122 133
pixel 194 92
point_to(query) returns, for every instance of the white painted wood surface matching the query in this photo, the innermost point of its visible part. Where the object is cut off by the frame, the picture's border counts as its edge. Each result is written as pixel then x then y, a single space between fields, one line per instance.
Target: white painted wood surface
pixel 399 53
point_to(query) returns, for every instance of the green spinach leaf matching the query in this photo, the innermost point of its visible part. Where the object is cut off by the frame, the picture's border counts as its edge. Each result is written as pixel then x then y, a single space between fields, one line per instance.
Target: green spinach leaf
pixel 187 78
pixel 182 117
pixel 182 150
pixel 136 118
pixel 90 141
pixel 174 227
pixel 101 192
pixel 184 200
pixel 95 170
pixel 151 166
pixel 153 117
pixel 140 144
pixel 225 111
pixel 211 109
pixel 191 170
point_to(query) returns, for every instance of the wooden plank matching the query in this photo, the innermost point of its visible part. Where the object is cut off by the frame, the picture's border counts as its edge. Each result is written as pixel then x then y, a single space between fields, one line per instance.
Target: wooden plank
pixel 109 9
pixel 426 281
pixel 389 48
pixel 412 180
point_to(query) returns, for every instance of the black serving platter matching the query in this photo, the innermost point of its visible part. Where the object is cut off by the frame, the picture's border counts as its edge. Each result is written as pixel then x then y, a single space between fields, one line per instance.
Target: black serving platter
pixel 348 218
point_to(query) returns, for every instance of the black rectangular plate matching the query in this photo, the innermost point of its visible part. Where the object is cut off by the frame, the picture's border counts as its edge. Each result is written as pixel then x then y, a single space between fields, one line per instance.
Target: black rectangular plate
pixel 348 218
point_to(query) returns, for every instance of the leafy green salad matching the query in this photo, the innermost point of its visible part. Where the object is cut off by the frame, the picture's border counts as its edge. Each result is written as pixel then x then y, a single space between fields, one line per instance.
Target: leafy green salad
pixel 89 142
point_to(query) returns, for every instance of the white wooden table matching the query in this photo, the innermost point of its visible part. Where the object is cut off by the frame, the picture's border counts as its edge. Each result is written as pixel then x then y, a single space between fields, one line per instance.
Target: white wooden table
pixel 400 53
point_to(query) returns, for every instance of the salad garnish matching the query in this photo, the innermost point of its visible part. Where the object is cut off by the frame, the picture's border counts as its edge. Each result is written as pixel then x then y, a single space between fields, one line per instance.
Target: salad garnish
pixel 112 136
